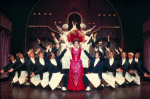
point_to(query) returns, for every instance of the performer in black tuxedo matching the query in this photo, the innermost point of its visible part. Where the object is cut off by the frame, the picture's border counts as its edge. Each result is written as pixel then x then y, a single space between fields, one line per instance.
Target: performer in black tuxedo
pixel 53 65
pixel 124 68
pixel 95 71
pixel 109 75
pixel 12 60
pixel 136 67
pixel 40 63
pixel 50 45
pixel 44 76
pixel 102 49
pixel 20 60
pixel 140 63
pixel 26 68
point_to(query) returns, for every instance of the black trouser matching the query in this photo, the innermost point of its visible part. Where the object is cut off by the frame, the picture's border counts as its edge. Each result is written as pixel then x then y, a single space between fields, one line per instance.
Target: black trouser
pixel 85 70
pixel 65 78
pixel 86 82
pixel 66 71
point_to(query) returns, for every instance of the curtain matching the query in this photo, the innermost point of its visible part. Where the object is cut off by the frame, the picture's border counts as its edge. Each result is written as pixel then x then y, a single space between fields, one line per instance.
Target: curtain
pixel 4 51
pixel 147 53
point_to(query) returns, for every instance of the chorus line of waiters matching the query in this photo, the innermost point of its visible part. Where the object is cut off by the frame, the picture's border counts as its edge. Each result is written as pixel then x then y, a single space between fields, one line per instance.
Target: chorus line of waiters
pixel 74 66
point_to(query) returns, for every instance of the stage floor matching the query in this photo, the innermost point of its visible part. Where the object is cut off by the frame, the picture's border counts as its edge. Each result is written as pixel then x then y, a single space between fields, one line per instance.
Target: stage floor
pixel 130 92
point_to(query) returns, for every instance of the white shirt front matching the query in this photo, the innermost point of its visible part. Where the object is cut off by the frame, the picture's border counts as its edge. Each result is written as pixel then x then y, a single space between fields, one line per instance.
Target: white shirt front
pixel 100 49
pixel 130 61
pixel 50 49
pixel 14 61
pixel 111 61
pixel 96 61
pixel 123 61
pixel 136 59
pixel 22 60
pixel 41 60
pixel 53 61
pixel 33 61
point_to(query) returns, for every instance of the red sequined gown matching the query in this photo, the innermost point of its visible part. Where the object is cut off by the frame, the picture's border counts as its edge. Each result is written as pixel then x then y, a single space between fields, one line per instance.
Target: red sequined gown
pixel 75 80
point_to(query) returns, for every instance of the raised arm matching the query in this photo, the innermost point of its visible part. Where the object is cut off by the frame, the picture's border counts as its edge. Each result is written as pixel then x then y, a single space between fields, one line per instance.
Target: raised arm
pixel 108 44
pixel 89 30
pixel 93 40
pixel 55 39
pixel 86 42
pixel 39 41
pixel 65 41
pixel 62 53
pixel 59 29
pixel 90 57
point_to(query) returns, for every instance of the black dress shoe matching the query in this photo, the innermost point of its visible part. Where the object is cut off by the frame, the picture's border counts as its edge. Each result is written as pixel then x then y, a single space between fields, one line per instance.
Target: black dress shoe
pixel 21 85
pixel 100 87
pixel 131 83
pixel 32 86
pixel 124 84
pixel 14 84
pixel 48 87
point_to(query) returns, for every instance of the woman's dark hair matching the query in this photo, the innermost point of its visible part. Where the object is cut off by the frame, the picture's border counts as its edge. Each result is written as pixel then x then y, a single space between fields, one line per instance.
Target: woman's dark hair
pixel 76 40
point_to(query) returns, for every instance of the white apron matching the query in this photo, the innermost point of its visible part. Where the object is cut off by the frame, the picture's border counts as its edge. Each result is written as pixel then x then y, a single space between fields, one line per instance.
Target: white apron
pixel 94 79
pixel 129 77
pixel 55 80
pixel 84 59
pixel 15 79
pixel 119 78
pixel 109 78
pixel 137 81
pixel 35 80
pixel 66 58
pixel 45 80
pixel 22 77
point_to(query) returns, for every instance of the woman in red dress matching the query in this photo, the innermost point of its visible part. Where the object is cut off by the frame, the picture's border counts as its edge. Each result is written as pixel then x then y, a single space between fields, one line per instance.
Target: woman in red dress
pixel 76 72
pixel 75 78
